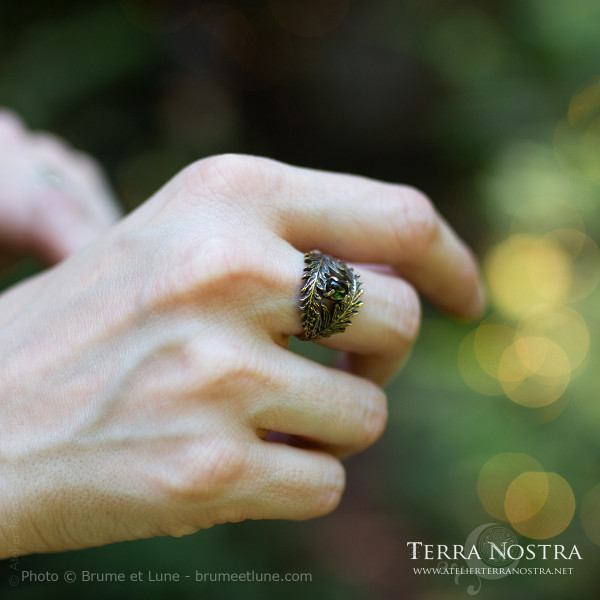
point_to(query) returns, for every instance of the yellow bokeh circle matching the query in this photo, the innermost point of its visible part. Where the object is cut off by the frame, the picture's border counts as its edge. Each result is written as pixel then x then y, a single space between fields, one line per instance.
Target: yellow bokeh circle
pixel 584 261
pixel 590 514
pixel 489 344
pixel 539 505
pixel 534 371
pixel 495 477
pixel 560 324
pixel 471 371
pixel 525 271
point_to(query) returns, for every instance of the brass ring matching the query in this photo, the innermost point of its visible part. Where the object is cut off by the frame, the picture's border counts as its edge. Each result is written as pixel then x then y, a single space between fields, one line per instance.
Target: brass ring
pixel 330 295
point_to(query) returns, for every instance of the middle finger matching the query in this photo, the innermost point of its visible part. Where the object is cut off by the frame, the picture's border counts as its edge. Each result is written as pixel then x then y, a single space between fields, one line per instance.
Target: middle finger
pixel 337 411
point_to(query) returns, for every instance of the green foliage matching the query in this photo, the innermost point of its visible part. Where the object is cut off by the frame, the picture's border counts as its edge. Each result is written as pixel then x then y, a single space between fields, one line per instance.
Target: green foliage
pixel 463 99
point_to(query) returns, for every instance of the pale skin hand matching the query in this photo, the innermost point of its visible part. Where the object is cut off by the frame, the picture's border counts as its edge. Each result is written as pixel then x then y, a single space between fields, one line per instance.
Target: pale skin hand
pixel 140 377
pixel 53 199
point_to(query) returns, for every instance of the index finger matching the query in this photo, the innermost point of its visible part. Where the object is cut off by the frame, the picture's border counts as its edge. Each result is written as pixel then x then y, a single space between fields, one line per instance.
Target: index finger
pixel 362 220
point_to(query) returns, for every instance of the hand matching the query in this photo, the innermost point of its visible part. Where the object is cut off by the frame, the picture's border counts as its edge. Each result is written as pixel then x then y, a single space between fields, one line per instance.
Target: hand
pixel 139 378
pixel 53 200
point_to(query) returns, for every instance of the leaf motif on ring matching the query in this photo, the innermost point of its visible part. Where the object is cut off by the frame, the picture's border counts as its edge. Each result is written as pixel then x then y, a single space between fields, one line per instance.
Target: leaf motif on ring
pixel 330 295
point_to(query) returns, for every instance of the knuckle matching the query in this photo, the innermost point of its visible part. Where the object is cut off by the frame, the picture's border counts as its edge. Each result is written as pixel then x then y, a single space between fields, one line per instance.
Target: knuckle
pixel 225 370
pixel 189 364
pixel 214 261
pixel 401 316
pixel 88 165
pixel 235 186
pixel 225 260
pixel 203 471
pixel 410 308
pixel 178 530
pixel 229 261
pixel 237 374
pixel 330 490
pixel 416 225
pixel 226 173
pixel 467 279
pixel 375 417
pixel 50 142
pixel 10 121
pixel 216 267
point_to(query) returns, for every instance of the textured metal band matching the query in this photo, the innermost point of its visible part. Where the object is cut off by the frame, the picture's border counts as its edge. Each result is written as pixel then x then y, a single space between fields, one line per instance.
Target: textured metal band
pixel 330 295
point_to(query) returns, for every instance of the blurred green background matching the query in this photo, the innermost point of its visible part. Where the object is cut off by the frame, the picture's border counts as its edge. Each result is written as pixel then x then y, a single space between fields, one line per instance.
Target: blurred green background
pixel 493 109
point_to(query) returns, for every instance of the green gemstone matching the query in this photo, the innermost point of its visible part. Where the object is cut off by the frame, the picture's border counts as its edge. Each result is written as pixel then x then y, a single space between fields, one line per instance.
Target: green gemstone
pixel 336 290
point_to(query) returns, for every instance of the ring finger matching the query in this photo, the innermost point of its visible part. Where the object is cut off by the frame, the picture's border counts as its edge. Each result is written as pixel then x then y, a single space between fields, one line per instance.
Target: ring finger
pixel 381 333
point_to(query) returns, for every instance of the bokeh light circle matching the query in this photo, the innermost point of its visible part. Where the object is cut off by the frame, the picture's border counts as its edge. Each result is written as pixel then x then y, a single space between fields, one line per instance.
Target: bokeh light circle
pixel 561 324
pixel 471 371
pixel 524 271
pixel 534 371
pixel 548 268
pixel 544 214
pixel 583 257
pixel 539 505
pixel 495 477
pixel 577 135
pixel 489 344
pixel 590 514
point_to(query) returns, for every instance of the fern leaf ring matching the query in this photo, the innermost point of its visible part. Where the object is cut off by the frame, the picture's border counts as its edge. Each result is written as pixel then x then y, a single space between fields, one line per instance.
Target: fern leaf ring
pixel 330 295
